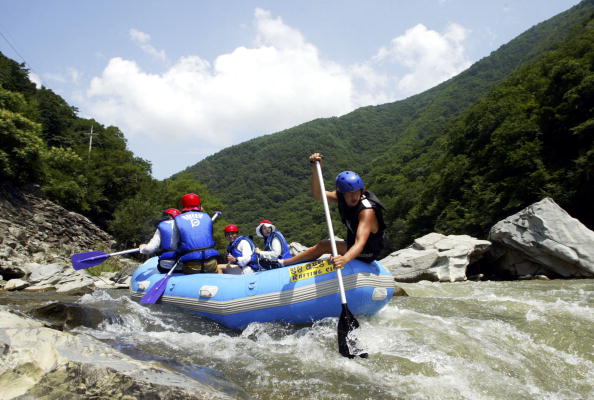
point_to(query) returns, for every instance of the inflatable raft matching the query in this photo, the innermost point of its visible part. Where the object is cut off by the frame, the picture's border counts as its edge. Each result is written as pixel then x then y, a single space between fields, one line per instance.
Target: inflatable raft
pixel 299 293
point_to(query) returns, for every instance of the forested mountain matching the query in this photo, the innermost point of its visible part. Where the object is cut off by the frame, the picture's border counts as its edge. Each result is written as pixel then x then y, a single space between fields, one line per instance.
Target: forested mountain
pixel 43 141
pixel 455 158
pixel 514 127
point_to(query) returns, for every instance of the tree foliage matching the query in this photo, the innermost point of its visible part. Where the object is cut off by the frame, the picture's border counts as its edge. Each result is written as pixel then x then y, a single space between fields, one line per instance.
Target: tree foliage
pixel 455 158
pixel 43 141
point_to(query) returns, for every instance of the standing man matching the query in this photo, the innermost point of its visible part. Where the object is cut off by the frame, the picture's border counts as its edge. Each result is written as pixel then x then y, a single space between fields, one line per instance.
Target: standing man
pixel 163 242
pixel 196 244
pixel 360 211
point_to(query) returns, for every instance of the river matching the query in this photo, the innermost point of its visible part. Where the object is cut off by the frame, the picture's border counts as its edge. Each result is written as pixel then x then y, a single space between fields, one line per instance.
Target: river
pixel 471 340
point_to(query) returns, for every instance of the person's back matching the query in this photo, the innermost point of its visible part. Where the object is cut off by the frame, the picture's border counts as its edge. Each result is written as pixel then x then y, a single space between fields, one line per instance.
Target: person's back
pixel 163 242
pixel 196 244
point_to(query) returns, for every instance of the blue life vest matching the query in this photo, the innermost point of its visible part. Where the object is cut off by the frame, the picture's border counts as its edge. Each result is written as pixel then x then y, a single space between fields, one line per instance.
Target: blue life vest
pixel 195 236
pixel 234 251
pixel 166 231
pixel 285 251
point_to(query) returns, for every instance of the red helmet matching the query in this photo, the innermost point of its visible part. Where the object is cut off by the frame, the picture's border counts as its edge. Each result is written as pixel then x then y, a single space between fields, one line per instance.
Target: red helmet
pixel 191 201
pixel 174 212
pixel 231 228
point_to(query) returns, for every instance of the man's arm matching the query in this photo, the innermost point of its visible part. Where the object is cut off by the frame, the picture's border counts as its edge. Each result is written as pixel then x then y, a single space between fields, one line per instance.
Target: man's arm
pixel 246 253
pixel 276 250
pixel 153 245
pixel 316 191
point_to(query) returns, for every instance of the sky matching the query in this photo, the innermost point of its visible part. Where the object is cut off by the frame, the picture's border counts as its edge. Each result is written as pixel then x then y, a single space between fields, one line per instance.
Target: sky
pixel 183 79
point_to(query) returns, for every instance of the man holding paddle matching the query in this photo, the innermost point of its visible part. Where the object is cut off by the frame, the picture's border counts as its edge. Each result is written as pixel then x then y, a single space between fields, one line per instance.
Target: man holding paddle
pixel 164 242
pixel 360 211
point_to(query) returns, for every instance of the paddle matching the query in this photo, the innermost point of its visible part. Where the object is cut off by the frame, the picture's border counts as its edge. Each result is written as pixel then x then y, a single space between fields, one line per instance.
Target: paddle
pixel 92 258
pixel 347 321
pixel 155 292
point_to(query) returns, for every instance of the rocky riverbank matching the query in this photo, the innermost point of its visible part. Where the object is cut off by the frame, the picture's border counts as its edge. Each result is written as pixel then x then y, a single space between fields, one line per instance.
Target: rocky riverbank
pixel 41 359
pixel 541 241
pixel 37 238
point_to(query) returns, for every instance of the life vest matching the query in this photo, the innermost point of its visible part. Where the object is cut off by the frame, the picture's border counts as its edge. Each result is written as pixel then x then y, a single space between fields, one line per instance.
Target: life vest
pixel 285 250
pixel 166 253
pixel 195 236
pixel 350 217
pixel 234 251
pixel 166 231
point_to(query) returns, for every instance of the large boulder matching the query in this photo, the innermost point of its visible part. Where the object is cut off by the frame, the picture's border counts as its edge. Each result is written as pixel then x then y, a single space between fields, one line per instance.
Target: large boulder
pixel 436 257
pixel 39 362
pixel 543 239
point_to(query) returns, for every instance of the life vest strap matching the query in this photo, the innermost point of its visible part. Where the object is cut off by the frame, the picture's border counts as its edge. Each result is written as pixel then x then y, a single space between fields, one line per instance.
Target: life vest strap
pixel 194 250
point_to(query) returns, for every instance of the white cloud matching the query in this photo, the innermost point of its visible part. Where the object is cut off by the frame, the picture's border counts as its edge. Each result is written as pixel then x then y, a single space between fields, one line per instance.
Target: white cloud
pixel 278 82
pixel 143 40
pixel 72 75
pixel 430 56
pixel 33 77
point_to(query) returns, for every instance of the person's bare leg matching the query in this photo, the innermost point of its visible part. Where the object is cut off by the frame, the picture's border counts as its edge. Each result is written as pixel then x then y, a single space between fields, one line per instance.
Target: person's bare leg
pixel 313 253
pixel 221 268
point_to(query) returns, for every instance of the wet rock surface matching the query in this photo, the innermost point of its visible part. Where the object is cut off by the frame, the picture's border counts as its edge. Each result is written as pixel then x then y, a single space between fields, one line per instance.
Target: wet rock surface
pixel 41 363
pixel 37 238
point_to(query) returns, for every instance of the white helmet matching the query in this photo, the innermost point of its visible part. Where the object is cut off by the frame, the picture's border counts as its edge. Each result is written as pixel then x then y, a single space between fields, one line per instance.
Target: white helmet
pixel 266 223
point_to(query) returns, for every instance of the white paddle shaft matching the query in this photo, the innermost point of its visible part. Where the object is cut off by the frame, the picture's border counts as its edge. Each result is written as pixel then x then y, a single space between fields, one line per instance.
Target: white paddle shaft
pixel 330 230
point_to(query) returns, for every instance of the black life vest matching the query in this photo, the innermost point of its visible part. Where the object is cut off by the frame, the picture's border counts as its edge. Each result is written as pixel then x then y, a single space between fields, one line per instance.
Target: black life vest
pixel 350 218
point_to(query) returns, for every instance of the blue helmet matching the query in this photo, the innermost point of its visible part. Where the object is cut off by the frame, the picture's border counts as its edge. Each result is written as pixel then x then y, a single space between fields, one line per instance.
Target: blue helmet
pixel 348 181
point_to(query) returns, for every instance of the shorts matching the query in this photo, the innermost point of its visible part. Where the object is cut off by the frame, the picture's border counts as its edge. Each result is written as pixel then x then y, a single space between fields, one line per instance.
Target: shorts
pixel 200 266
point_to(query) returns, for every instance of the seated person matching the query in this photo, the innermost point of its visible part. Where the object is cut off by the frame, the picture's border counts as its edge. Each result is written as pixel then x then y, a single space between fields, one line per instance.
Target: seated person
pixel 275 245
pixel 240 253
pixel 163 242
pixel 360 211
pixel 196 244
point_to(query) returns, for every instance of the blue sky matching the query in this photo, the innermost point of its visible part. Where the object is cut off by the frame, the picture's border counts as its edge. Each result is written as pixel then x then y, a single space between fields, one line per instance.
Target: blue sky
pixel 185 79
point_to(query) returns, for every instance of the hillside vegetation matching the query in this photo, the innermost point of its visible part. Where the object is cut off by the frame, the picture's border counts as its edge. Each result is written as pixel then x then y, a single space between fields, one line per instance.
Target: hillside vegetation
pixel 43 141
pixel 453 159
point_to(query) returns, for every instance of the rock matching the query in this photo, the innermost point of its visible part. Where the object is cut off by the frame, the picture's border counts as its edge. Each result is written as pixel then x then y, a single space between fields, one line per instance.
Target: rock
pixel 35 229
pixel 40 362
pixel 436 257
pixel 103 283
pixel 476 277
pixel 399 292
pixel 39 288
pixel 543 239
pixel 50 273
pixel 16 284
pixel 297 248
pixel 79 286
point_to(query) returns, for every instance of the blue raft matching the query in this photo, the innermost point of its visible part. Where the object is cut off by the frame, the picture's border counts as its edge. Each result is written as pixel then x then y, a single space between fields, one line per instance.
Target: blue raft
pixel 299 293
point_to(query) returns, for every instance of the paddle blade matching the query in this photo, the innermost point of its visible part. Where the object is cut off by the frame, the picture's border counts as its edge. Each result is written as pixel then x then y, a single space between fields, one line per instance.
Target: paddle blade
pixel 155 293
pixel 346 324
pixel 88 259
